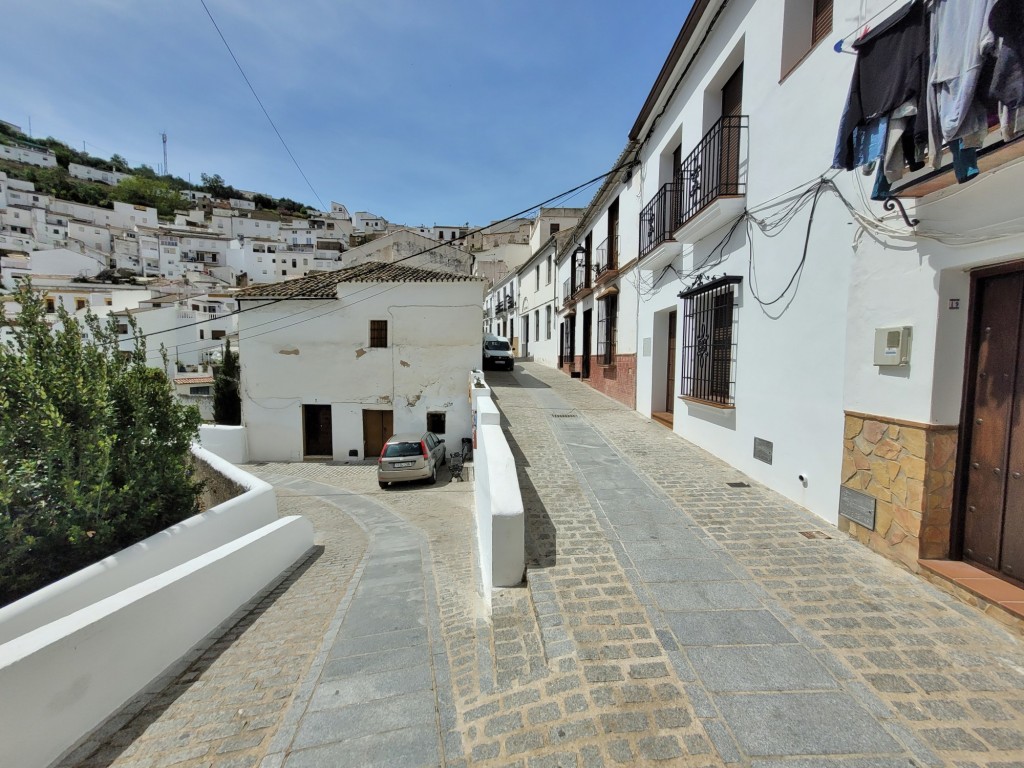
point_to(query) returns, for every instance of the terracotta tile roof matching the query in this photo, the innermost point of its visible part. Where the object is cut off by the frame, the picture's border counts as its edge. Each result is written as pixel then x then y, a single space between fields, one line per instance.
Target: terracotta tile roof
pixel 324 285
pixel 207 379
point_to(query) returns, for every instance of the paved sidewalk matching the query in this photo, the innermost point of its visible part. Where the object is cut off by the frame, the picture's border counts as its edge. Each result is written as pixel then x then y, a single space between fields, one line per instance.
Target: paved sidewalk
pixel 668 618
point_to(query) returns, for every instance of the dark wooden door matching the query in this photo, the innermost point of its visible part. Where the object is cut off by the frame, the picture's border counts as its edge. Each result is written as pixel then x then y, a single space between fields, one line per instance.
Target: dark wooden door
pixel 316 429
pixel 587 319
pixel 732 109
pixel 994 428
pixel 561 344
pixel 378 427
pixel 670 365
pixel 526 335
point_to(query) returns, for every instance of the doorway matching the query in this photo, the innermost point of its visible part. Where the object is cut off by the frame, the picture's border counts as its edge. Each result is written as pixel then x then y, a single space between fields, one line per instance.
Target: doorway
pixel 316 431
pixel 732 110
pixel 992 442
pixel 378 427
pixel 587 319
pixel 526 335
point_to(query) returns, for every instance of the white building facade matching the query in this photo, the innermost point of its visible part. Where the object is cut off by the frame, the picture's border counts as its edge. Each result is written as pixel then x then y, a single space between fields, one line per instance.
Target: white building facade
pixel 334 364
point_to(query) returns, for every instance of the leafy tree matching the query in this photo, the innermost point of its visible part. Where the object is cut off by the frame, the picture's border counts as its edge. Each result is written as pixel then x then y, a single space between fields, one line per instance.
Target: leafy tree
pixel 119 164
pixel 156 193
pixel 264 202
pixel 94 448
pixel 227 404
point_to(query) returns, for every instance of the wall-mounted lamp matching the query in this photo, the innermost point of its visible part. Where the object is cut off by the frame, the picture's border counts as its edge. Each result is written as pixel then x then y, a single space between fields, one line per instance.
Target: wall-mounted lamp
pixel 581 255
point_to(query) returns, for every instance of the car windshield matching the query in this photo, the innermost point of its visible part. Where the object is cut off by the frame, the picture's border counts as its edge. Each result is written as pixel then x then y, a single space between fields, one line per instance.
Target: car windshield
pixel 398 450
pixel 502 346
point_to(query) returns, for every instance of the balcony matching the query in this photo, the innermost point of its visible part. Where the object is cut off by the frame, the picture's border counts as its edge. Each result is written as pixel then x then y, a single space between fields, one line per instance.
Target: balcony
pixel 506 304
pixel 606 266
pixel 993 154
pixel 709 189
pixel 567 292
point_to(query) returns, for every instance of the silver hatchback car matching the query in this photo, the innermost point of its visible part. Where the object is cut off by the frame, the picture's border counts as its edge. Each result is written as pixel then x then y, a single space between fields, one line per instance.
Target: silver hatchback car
pixel 410 456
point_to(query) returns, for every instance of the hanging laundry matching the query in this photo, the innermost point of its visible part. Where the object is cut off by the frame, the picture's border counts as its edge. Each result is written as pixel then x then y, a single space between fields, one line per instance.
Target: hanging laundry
pixel 891 71
pixel 961 44
pixel 1006 21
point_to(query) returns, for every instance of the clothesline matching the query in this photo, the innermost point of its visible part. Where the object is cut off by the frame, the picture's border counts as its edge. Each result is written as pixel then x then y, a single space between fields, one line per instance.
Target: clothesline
pixel 862 28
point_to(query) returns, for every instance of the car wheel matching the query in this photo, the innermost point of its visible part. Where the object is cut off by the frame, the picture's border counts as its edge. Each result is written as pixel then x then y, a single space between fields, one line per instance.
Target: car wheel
pixel 433 476
pixel 382 484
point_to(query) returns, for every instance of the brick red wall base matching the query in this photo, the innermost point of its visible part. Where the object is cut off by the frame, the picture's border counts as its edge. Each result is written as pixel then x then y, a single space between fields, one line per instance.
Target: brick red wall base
pixel 617 381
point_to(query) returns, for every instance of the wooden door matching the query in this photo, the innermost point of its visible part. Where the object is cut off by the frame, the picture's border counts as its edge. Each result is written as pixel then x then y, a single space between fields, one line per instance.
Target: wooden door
pixel 526 335
pixel 993 506
pixel 378 427
pixel 670 365
pixel 316 430
pixel 732 109
pixel 587 319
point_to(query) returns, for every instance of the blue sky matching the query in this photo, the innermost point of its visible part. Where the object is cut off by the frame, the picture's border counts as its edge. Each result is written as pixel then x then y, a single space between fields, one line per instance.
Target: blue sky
pixel 441 112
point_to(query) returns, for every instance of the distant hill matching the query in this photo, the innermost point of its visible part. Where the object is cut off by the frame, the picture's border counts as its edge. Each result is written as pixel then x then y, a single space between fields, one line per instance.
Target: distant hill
pixel 145 187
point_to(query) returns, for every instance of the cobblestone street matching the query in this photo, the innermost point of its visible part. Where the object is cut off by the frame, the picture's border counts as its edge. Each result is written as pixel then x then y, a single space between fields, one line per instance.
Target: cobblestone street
pixel 668 617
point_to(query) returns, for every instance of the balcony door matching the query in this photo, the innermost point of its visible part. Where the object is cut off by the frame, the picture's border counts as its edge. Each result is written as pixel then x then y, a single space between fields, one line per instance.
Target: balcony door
pixel 732 109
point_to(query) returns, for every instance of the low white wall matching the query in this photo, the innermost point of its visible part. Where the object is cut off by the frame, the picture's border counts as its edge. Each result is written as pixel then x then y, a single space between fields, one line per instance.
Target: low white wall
pixel 255 508
pixel 500 518
pixel 60 681
pixel 227 442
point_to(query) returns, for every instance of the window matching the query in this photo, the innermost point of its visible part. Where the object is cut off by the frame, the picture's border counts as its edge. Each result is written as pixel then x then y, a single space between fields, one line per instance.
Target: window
pixel 607 311
pixel 202 334
pixel 122 329
pixel 51 306
pixel 805 24
pixel 79 304
pixel 108 301
pixel 436 422
pixel 821 21
pixel 536 275
pixel 547 322
pixel 548 282
pixel 378 333
pixel 708 345
pixel 199 390
pixel 553 228
pixel 217 334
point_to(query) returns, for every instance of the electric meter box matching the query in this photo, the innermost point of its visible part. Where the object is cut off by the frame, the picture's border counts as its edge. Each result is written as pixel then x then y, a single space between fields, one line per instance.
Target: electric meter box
pixel 892 346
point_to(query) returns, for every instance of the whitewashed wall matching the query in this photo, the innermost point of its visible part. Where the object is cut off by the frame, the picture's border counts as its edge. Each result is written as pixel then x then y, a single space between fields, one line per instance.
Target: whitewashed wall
pixel 322 355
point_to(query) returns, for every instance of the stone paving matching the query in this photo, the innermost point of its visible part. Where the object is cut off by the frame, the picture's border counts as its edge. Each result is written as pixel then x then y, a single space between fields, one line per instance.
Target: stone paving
pixel 667 618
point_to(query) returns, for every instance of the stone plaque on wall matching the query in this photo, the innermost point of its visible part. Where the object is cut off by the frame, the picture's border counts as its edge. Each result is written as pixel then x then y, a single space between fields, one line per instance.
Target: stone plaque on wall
pixel 763 450
pixel 858 507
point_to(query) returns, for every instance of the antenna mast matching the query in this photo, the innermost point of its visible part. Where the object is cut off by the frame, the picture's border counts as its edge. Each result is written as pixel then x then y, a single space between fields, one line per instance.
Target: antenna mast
pixel 163 136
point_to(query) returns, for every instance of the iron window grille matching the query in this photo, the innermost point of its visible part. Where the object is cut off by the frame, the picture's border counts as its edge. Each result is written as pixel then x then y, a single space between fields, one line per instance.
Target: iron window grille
pixel 709 342
pixel 607 312
pixel 378 333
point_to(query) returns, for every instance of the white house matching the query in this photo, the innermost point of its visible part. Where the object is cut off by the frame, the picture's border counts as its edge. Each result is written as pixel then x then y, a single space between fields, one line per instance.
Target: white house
pixel 537 308
pixel 31 154
pixel 414 250
pixel 332 364
pixel 828 346
pixel 89 173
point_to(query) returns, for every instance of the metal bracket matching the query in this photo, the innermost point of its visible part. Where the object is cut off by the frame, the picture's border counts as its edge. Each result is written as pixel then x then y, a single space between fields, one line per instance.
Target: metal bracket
pixel 892 203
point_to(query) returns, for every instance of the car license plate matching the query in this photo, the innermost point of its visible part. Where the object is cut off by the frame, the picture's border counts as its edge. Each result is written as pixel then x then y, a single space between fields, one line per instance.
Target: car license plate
pixel 402 464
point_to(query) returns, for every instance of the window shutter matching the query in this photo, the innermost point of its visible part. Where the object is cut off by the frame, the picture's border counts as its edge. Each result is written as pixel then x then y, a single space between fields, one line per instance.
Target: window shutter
pixel 821 24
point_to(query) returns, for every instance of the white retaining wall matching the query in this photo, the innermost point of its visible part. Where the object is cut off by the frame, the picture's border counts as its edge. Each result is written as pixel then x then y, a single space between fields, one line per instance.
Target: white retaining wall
pixel 227 442
pixel 78 650
pixel 160 552
pixel 500 518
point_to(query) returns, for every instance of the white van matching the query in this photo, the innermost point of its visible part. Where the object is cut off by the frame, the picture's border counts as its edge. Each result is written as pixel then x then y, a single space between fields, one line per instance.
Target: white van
pixel 497 352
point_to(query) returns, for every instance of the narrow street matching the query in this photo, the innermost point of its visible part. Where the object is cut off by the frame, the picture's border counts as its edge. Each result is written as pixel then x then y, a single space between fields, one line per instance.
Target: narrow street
pixel 668 616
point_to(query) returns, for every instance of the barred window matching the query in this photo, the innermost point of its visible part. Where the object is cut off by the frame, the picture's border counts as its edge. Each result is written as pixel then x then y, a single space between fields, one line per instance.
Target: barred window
pixel 607 310
pixel 378 333
pixel 709 345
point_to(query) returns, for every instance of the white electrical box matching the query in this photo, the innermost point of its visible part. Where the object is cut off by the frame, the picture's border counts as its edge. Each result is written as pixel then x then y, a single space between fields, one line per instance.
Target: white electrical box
pixel 892 346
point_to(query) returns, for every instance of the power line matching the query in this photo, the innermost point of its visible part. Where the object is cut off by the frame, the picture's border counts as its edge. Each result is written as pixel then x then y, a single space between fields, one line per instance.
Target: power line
pixel 260 102
pixel 270 301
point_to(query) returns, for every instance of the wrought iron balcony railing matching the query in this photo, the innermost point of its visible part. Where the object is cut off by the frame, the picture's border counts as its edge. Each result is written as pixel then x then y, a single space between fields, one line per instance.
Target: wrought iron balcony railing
pixel 567 291
pixel 712 170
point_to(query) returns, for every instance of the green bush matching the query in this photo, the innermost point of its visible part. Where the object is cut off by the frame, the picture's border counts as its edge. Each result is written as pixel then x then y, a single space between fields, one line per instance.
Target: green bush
pixel 94 448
